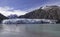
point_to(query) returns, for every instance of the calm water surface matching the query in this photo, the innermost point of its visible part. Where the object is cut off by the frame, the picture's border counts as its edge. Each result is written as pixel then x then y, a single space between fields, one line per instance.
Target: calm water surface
pixel 30 30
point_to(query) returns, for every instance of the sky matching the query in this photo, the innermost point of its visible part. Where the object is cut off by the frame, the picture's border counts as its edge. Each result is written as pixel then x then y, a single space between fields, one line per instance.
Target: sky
pixel 21 7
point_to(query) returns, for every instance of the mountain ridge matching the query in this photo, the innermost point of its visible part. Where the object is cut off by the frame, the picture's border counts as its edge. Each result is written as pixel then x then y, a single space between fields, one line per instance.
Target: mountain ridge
pixel 50 12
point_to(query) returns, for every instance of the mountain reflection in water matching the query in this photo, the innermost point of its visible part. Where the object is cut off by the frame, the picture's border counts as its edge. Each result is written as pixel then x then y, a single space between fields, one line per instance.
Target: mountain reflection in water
pixel 30 30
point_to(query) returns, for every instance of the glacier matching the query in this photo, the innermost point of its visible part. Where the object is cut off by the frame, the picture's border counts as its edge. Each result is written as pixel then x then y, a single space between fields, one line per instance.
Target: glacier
pixel 28 21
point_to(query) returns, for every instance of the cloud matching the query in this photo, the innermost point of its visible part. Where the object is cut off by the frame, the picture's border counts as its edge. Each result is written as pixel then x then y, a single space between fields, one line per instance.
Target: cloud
pixel 32 9
pixel 7 11
pixel 52 3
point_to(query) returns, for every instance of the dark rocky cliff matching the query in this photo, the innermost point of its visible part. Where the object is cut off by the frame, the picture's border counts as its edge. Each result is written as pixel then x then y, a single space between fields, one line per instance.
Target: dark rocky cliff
pixel 2 17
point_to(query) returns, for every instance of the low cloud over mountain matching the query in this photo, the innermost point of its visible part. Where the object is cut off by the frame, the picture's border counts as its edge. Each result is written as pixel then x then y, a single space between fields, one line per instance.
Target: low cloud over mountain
pixel 8 11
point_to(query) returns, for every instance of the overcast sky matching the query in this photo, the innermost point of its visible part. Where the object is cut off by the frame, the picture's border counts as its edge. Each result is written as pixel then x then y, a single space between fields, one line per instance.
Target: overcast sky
pixel 21 7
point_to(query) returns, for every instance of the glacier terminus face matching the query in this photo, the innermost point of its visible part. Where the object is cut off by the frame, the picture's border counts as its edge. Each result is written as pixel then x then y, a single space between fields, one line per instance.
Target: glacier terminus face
pixel 28 21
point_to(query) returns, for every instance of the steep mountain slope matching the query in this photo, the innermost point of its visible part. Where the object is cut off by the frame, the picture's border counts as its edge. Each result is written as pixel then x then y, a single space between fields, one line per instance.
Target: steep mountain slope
pixel 48 12
pixel 2 17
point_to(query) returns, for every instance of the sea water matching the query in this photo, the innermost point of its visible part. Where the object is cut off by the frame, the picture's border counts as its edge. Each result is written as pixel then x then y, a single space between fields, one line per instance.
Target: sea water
pixel 29 30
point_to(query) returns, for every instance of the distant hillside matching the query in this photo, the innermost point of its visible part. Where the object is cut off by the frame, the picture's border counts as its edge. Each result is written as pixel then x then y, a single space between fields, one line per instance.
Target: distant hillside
pixel 2 17
pixel 47 12
pixel 12 16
